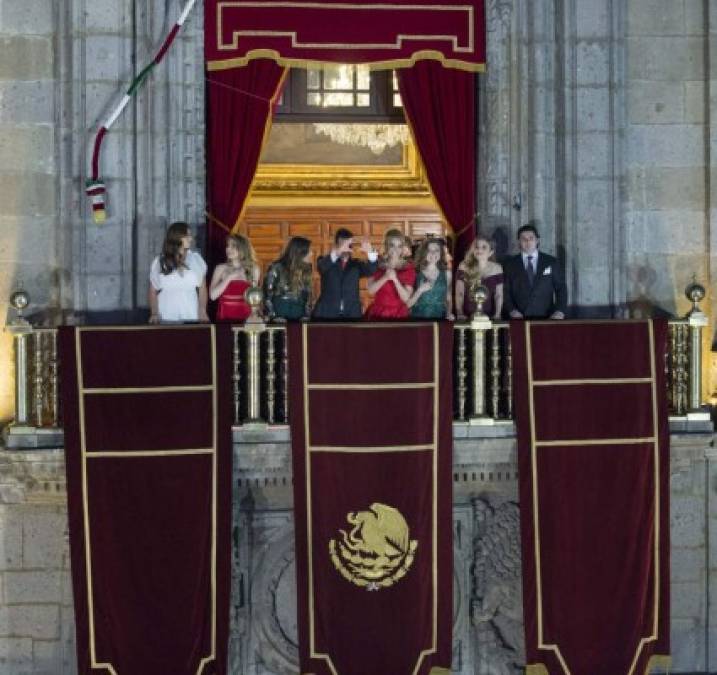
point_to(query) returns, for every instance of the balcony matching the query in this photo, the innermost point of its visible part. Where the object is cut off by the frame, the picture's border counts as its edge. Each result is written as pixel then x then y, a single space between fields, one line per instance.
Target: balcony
pixel 482 377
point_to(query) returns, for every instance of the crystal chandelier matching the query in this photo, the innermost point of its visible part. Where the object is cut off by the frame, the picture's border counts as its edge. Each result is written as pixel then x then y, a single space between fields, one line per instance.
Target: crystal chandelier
pixel 375 137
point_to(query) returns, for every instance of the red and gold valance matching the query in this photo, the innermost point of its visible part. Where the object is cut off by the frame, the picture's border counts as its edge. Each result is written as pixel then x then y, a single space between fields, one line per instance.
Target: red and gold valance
pixel 383 34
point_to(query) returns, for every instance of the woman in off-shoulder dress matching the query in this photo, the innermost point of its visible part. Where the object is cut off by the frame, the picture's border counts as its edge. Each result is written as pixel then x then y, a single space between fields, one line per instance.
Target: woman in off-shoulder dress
pixel 479 268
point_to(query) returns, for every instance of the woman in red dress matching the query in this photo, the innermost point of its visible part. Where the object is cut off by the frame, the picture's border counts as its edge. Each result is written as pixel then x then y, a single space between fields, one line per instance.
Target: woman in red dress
pixel 392 284
pixel 232 278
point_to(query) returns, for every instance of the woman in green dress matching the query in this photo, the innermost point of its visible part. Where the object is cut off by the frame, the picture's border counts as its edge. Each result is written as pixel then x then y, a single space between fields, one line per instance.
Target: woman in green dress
pixel 287 284
pixel 432 297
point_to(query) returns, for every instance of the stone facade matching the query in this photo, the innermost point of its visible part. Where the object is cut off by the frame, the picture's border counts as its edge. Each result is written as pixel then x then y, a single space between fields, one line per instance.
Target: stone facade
pixel 595 122
pixel 36 613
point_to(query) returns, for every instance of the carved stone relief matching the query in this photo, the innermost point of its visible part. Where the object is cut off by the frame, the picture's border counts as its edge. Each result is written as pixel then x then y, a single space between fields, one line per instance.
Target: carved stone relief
pixel 496 603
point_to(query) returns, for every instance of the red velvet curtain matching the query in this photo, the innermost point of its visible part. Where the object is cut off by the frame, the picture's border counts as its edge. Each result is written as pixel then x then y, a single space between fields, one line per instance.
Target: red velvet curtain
pixel 355 462
pixel 594 466
pixel 148 451
pixel 239 109
pixel 440 108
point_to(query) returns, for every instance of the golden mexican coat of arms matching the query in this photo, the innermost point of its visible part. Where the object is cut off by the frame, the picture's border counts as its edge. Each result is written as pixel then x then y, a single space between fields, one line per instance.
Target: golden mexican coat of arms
pixel 378 551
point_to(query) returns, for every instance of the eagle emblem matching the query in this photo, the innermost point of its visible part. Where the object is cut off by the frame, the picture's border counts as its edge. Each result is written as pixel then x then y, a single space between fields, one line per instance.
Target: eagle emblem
pixel 377 551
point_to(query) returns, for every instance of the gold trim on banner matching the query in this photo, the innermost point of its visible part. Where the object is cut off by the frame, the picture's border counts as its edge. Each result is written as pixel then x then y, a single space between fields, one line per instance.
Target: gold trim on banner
pixel 309 449
pixel 423 55
pixel 616 380
pixel 221 64
pixel 372 387
pixel 539 668
pixel 663 661
pixel 595 441
pixel 370 449
pixel 536 669
pixel 147 390
pixel 85 455
pixel 149 326
pixel 394 8
pixel 149 453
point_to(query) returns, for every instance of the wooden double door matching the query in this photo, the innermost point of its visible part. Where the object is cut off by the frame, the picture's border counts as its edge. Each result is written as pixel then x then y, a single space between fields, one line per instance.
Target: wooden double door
pixel 269 228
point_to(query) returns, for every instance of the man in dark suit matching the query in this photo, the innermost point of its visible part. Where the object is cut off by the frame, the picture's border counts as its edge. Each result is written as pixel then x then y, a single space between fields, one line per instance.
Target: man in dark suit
pixel 340 274
pixel 534 282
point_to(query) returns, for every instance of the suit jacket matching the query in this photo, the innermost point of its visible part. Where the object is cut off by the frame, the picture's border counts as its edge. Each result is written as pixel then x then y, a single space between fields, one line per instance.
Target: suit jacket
pixel 547 294
pixel 339 297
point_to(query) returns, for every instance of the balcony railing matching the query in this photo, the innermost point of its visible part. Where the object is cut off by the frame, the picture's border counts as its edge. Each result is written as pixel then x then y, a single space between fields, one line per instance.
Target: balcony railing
pixel 483 387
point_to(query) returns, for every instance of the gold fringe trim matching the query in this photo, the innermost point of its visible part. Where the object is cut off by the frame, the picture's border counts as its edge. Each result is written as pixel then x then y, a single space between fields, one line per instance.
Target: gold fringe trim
pixel 264 141
pixel 663 661
pixel 425 54
pixel 437 670
pixel 655 661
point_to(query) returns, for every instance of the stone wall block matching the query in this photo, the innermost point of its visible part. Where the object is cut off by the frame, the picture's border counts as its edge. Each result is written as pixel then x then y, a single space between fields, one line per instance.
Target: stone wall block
pixel 25 103
pixel 593 154
pixel 695 16
pixel 105 292
pixel 658 188
pixel 687 599
pixel 592 62
pixel 43 540
pixel 593 109
pixel 26 17
pixel 26 58
pixel 108 57
pixel 649 103
pixel 672 230
pixel 687 522
pixel 26 241
pixel 695 102
pixel 593 283
pixel 103 243
pixel 47 657
pixel 655 17
pixel 10 540
pixel 35 621
pixel 108 17
pixel 15 656
pixel 594 213
pixel 27 194
pixel 688 646
pixel 666 58
pixel 655 146
pixel 42 587
pixel 592 19
pixel 28 148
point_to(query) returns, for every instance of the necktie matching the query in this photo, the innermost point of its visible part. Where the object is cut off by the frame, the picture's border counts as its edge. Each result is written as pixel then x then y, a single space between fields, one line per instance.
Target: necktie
pixel 530 271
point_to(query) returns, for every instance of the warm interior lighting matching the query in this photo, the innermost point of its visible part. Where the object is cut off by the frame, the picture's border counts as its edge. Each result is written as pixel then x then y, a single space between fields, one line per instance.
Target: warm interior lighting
pixel 376 137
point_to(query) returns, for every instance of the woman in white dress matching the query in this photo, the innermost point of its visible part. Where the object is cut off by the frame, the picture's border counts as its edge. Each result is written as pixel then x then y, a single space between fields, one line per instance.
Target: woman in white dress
pixel 177 284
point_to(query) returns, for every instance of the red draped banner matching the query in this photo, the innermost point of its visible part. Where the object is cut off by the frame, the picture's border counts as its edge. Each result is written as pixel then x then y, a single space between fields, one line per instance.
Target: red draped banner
pixel 148 453
pixel 371 411
pixel 593 449
pixel 386 34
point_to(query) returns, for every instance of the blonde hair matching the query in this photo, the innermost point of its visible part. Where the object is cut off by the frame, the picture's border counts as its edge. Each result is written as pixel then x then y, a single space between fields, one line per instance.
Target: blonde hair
pixel 247 255
pixel 470 262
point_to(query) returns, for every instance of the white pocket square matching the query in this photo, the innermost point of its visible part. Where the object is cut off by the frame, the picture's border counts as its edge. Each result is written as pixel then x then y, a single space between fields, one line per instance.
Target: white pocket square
pixel 547 270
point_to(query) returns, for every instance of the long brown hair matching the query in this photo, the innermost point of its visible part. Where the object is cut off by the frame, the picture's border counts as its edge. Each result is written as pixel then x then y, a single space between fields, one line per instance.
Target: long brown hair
pixel 422 252
pixel 298 272
pixel 171 257
pixel 247 256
